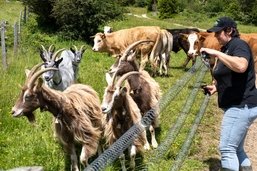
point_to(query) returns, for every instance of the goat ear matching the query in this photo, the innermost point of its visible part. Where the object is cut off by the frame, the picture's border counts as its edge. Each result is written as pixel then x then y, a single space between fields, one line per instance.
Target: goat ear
pixel 73 51
pixel 39 83
pixel 108 78
pixel 123 90
pixel 92 36
pixel 58 61
pixel 27 71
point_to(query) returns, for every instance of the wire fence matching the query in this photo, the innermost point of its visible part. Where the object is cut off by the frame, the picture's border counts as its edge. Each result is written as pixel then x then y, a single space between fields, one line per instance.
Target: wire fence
pixel 4 28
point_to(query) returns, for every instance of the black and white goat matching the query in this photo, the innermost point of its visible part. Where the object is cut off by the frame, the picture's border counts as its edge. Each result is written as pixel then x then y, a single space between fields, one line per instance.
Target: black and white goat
pixel 122 113
pixel 144 89
pixel 77 108
pixel 64 76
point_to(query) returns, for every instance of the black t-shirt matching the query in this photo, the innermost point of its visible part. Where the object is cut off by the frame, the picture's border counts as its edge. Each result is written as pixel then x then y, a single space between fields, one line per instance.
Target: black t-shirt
pixel 236 89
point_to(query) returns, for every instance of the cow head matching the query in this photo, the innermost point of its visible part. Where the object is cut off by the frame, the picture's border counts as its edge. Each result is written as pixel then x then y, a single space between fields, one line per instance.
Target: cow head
pixel 28 101
pixel 194 41
pixel 99 42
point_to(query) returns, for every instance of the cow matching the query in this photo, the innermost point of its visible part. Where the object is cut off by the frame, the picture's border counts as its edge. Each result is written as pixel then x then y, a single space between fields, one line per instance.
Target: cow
pixel 116 42
pixel 208 40
pixel 179 43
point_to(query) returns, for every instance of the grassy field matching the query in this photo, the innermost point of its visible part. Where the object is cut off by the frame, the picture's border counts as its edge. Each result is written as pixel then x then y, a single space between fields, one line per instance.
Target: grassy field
pixel 24 144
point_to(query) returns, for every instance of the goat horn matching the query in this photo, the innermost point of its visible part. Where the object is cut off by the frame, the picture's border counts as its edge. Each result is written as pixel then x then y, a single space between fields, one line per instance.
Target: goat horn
pixel 51 47
pixel 37 74
pixel 44 49
pixel 34 69
pixel 82 48
pixel 124 77
pixel 75 47
pixel 130 47
pixel 57 53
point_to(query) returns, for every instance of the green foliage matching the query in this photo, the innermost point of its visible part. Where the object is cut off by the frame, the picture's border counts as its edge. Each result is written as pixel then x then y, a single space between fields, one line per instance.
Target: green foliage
pixel 76 19
pixel 141 3
pixel 80 19
pixel 167 8
pixel 43 9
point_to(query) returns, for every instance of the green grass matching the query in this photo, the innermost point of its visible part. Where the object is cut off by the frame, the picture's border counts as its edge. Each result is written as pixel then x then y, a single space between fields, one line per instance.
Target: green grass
pixel 23 144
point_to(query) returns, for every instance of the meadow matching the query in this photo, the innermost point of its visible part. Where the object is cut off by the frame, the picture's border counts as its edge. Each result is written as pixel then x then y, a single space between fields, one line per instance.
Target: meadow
pixel 25 144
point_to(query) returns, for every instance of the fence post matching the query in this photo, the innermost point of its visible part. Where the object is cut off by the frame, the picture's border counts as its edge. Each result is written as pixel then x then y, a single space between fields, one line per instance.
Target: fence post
pixel 25 14
pixel 15 40
pixel 2 30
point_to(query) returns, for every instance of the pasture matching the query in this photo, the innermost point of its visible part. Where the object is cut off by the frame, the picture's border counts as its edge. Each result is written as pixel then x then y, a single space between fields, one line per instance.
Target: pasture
pixel 25 144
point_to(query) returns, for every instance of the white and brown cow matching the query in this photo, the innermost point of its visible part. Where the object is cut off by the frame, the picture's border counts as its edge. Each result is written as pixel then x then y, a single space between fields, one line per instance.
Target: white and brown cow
pixel 208 40
pixel 116 42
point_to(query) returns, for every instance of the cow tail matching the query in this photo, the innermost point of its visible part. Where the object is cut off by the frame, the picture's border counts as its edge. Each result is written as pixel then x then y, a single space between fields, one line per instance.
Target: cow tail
pixel 153 52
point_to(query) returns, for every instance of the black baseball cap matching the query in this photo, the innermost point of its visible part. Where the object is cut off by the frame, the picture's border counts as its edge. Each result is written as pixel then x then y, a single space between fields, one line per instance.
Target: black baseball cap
pixel 222 23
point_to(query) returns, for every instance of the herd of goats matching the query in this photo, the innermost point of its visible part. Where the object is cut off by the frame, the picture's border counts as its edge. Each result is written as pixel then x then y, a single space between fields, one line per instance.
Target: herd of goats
pixel 79 115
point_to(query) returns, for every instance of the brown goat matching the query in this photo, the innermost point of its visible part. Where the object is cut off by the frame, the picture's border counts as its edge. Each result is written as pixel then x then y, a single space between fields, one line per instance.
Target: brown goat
pixel 144 90
pixel 122 113
pixel 77 109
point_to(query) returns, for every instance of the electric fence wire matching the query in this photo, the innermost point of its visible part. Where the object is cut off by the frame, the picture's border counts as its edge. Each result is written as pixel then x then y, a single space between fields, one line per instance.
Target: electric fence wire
pixel 174 130
pixel 186 146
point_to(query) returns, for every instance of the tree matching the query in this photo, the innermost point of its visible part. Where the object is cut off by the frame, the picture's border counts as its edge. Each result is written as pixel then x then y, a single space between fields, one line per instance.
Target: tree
pixel 77 19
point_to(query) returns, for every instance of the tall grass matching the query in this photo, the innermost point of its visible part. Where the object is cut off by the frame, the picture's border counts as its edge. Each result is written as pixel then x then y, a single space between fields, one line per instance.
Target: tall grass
pixel 24 144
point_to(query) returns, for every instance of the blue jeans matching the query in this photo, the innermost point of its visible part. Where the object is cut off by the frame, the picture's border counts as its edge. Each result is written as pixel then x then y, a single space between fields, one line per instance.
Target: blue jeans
pixel 234 127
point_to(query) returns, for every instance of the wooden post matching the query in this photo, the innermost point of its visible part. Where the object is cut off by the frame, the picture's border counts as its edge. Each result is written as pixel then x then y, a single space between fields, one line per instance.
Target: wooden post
pixel 16 37
pixel 2 30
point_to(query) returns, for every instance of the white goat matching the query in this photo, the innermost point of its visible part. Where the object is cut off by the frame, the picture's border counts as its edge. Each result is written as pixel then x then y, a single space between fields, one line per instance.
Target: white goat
pixel 77 108
pixel 64 76
pixel 76 56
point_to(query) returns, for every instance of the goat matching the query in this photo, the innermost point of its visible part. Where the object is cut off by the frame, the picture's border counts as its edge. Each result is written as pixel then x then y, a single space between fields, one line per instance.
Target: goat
pixel 77 109
pixel 144 89
pixel 76 56
pixel 122 113
pixel 64 76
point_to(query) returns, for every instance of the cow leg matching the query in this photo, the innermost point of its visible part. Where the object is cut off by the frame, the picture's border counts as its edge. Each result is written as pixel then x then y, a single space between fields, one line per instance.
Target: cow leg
pixel 122 162
pixel 132 157
pixel 153 139
pixel 161 64
pixel 144 60
pixel 164 61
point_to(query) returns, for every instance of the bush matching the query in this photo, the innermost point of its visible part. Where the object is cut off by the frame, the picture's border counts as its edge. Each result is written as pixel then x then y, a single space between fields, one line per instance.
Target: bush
pixel 76 19
pixel 167 8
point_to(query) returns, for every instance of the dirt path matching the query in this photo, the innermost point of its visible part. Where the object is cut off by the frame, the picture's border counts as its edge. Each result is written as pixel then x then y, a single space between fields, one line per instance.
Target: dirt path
pixel 251 144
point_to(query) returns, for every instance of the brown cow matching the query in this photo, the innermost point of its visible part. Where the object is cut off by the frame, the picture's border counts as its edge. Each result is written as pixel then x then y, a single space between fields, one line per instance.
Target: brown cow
pixel 208 40
pixel 116 42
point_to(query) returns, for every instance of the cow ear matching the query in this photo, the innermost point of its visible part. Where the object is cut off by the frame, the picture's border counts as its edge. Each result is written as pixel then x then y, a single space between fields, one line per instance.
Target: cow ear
pixel 183 36
pixel 103 36
pixel 201 38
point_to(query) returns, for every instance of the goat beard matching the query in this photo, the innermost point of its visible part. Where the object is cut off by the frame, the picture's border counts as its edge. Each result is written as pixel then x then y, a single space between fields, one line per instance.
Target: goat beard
pixel 30 116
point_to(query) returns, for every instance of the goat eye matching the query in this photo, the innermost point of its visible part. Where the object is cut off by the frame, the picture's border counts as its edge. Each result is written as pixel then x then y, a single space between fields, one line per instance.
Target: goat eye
pixel 27 98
